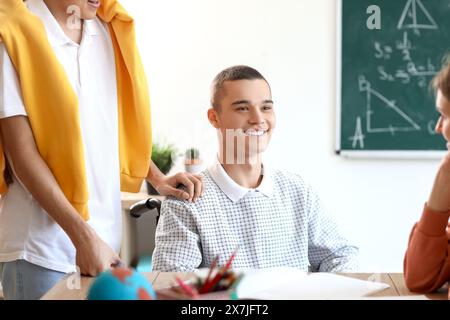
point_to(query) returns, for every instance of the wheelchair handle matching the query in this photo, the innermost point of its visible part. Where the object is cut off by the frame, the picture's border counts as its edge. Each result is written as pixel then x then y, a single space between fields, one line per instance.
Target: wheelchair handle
pixel 144 206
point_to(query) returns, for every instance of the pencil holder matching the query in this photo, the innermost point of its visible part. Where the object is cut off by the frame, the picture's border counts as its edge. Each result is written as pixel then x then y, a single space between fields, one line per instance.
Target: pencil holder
pixel 216 286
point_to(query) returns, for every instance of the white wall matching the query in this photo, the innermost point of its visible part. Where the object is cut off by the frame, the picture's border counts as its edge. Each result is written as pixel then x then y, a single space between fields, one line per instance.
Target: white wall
pixel 292 42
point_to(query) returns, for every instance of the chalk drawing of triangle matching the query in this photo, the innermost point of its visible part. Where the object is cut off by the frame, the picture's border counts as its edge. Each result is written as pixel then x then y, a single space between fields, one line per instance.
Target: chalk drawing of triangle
pixel 416 16
pixel 385 116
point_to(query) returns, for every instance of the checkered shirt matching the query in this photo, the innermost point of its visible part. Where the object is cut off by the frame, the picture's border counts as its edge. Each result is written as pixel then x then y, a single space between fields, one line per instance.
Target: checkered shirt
pixel 282 223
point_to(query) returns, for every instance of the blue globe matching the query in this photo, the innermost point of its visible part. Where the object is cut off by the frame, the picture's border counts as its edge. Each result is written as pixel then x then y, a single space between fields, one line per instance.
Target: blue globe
pixel 121 284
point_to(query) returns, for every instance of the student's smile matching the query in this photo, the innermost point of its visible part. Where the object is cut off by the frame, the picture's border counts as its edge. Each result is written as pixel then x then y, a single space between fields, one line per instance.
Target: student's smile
pixel 258 132
pixel 94 3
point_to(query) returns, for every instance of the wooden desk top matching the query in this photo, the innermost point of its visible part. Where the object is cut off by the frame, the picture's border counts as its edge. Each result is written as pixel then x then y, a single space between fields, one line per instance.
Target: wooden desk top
pixel 161 280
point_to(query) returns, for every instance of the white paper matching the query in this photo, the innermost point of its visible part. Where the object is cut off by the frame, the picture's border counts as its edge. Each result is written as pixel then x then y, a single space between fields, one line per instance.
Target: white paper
pixel 286 283
pixel 414 297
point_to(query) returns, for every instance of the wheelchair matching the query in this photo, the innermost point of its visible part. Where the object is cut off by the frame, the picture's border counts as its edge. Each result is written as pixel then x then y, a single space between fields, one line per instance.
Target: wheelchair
pixel 148 210
pixel 144 207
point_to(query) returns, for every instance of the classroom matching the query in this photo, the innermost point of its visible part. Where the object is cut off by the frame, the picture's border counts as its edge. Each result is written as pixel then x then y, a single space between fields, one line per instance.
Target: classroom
pixel 375 200
pixel 324 60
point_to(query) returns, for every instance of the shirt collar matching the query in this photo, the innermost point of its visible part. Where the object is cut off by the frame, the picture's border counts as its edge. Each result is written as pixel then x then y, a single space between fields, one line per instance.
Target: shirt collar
pixel 234 191
pixel 92 27
pixel 55 34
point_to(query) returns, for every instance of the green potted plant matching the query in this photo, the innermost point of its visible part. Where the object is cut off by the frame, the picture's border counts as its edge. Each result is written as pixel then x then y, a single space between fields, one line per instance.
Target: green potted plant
pixel 163 156
pixel 192 161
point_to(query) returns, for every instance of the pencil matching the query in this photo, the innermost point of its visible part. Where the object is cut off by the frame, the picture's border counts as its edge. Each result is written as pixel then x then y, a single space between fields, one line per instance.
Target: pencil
pixel 210 285
pixel 187 289
pixel 213 265
pixel 228 265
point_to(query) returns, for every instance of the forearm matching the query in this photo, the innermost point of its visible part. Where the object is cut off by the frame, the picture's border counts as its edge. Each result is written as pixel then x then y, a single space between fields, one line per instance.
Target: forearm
pixel 177 248
pixel 426 264
pixel 166 260
pixel 344 259
pixel 439 199
pixel 40 182
pixel 37 178
pixel 329 249
pixel 92 254
pixel 177 242
pixel 154 175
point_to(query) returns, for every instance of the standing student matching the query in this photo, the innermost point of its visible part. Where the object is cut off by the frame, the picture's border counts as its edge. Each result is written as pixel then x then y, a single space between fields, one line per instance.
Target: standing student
pixel 75 130
pixel 427 259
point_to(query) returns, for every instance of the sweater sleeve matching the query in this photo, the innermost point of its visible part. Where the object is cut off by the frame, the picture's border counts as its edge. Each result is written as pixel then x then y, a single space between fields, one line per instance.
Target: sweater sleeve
pixel 427 263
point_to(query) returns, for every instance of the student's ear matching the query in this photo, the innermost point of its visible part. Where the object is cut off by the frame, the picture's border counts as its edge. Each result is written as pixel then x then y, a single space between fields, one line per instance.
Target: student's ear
pixel 213 118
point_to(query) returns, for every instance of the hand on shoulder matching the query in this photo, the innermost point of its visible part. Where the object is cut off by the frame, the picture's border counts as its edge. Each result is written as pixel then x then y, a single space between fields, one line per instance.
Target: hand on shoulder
pixel 169 186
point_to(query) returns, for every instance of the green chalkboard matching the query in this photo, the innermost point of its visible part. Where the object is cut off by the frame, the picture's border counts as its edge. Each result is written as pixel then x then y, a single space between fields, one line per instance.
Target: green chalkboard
pixel 385 102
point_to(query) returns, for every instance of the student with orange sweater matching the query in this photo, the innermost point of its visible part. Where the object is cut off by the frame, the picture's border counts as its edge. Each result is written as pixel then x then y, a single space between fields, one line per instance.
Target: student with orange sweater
pixel 427 259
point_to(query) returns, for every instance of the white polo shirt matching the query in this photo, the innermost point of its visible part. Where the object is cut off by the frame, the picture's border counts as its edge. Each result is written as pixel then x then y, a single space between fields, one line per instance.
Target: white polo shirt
pixel 27 231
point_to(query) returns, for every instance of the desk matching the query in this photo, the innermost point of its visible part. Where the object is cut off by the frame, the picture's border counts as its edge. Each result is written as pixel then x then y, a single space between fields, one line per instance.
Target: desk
pixel 161 280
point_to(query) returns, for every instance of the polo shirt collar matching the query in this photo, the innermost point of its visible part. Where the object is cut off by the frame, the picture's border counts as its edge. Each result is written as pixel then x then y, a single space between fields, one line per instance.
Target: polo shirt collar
pixel 92 27
pixel 233 190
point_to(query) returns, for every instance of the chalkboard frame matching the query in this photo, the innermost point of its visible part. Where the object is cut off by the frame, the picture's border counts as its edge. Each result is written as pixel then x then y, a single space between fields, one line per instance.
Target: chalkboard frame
pixel 365 154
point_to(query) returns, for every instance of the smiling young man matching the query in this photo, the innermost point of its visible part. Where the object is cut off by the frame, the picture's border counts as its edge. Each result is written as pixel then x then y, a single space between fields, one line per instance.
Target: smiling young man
pixel 75 130
pixel 274 217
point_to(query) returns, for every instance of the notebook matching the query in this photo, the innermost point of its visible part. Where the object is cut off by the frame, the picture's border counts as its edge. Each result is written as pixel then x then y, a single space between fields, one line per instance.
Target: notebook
pixel 285 283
